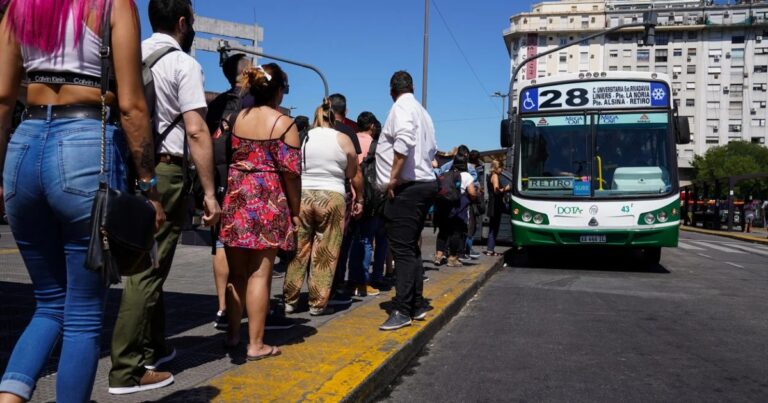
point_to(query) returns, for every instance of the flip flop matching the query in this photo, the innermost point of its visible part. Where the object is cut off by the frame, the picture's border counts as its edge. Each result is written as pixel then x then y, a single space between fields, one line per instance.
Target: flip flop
pixel 274 352
pixel 489 253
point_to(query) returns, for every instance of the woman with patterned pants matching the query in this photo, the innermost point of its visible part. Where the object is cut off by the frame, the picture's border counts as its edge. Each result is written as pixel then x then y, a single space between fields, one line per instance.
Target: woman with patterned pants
pixel 329 159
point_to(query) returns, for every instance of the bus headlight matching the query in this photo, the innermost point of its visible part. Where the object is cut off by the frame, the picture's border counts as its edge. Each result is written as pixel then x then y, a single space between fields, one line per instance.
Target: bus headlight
pixel 538 219
pixel 649 218
pixel 527 216
pixel 662 216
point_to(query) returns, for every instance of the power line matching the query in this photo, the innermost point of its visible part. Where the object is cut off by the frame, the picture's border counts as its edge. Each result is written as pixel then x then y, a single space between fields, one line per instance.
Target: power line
pixel 466 59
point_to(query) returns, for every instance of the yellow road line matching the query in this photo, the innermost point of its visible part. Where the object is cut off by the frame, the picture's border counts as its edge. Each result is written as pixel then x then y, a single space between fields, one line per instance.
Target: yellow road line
pixel 330 364
pixel 9 251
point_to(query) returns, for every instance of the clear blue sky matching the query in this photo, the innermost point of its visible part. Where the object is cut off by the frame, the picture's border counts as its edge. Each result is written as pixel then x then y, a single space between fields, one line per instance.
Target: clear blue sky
pixel 359 44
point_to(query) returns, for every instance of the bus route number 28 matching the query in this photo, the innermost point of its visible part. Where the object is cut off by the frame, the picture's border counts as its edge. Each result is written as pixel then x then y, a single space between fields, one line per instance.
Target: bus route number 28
pixel 575 97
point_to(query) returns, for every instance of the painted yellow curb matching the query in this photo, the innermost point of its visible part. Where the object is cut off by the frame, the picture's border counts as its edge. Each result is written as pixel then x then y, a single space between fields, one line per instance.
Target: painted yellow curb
pixel 345 352
pixel 9 251
pixel 742 237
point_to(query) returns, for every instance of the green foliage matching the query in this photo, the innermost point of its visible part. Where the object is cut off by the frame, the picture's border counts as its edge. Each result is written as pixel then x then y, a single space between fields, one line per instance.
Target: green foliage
pixel 735 158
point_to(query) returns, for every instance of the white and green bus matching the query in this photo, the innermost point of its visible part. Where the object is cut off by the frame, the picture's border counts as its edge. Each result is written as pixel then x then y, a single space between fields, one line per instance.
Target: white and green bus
pixel 595 162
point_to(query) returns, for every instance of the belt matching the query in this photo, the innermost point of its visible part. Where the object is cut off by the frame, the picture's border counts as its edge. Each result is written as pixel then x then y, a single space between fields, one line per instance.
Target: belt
pixel 40 112
pixel 170 159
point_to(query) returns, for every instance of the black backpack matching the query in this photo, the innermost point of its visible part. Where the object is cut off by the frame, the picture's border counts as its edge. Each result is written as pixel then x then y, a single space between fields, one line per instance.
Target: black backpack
pixel 372 197
pixel 222 142
pixel 449 187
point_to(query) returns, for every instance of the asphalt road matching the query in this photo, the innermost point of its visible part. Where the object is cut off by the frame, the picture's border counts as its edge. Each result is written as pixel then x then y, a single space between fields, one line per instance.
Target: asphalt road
pixel 593 327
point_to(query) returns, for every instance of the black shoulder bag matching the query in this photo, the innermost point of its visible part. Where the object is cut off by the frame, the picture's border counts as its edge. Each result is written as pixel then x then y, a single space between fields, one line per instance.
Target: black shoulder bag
pixel 122 223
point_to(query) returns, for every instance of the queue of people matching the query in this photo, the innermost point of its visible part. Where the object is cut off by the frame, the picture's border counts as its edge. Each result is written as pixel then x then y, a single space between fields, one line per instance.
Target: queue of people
pixel 334 196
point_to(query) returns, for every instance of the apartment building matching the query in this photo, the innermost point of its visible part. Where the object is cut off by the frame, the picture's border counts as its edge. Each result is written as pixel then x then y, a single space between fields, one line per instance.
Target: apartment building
pixel 715 54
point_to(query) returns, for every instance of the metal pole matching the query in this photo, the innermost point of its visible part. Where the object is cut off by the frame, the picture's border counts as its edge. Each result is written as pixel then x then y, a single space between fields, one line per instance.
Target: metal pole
pixel 225 47
pixel 426 55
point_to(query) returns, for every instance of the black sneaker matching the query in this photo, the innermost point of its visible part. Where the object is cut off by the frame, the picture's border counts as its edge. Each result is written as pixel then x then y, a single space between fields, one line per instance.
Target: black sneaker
pixel 339 299
pixel 396 320
pixel 220 322
pixel 275 322
pixel 421 313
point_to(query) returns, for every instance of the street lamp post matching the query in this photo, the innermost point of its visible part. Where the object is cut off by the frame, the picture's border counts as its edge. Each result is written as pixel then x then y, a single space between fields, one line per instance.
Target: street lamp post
pixel 498 94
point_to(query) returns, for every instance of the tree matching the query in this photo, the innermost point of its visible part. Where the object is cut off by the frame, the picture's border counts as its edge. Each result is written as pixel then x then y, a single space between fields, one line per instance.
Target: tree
pixel 735 158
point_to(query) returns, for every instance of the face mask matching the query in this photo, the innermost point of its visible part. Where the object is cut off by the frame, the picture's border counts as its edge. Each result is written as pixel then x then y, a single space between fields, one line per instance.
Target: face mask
pixel 189 38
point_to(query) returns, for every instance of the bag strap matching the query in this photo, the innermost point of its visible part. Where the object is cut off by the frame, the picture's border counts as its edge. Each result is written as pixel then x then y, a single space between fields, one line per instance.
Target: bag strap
pixel 105 53
pixel 155 57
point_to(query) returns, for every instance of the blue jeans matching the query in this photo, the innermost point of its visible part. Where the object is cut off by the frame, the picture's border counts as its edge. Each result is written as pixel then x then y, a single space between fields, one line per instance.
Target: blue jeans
pixel 371 229
pixel 50 178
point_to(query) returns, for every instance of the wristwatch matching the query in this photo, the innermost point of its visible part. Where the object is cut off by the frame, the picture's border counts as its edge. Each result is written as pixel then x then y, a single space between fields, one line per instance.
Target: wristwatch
pixel 145 185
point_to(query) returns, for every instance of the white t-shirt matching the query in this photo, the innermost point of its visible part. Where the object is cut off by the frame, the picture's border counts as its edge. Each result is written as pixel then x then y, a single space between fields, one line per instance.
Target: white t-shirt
pixel 466 180
pixel 178 88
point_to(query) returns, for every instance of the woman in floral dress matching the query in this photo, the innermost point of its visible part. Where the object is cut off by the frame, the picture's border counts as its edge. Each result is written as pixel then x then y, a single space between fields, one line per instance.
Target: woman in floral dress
pixel 261 207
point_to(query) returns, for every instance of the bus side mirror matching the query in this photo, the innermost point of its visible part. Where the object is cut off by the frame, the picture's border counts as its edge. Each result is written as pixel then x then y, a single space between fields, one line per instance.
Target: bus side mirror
pixel 506 132
pixel 682 130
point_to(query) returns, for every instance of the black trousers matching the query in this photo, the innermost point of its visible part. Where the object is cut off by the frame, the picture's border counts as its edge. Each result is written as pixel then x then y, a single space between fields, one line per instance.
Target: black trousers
pixel 404 220
pixel 451 234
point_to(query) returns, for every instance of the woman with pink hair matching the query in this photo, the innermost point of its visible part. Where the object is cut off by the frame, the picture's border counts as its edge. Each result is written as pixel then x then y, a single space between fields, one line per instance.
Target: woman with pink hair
pixel 51 167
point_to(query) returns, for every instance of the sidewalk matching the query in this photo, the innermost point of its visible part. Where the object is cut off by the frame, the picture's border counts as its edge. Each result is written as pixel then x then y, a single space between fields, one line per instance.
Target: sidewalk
pixel 335 357
pixel 757 235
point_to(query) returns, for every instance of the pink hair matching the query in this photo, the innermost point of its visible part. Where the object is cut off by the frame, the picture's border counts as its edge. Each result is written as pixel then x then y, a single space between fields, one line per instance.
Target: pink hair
pixel 42 23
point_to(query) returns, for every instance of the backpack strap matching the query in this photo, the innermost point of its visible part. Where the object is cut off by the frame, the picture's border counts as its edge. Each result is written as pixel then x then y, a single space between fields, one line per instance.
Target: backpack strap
pixel 152 59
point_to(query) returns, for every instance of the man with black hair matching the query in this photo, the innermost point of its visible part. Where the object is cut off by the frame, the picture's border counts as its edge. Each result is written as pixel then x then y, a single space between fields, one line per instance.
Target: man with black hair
pixel 138 340
pixel 404 154
pixel 341 123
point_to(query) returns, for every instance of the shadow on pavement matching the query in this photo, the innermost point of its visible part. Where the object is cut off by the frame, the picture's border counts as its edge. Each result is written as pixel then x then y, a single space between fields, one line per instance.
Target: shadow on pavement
pixel 199 394
pixel 580 258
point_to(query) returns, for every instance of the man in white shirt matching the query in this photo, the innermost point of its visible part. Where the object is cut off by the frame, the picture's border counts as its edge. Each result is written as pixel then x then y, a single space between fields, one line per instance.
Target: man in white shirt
pixel 138 342
pixel 404 156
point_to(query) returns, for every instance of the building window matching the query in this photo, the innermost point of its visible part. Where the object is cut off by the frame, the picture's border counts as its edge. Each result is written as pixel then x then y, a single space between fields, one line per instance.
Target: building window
pixel 661 55
pixel 613 54
pixel 585 22
pixel 662 39
pixel 629 68
pixel 692 35
pixel 563 57
pixel 735 107
pixel 689 102
pixel 677 69
pixel 737 88
pixel 734 126
pixel 737 39
pixel 713 126
pixel 758 122
pixel 690 86
pixel 758 104
pixel 626 52
pixel 628 38
pixel 613 37
pixel 677 35
pixel 760 87
pixel 761 69
pixel 643 55
pixel 691 69
pixel 737 56
pixel 713 88
pixel 613 68
pixel 638 68
pixel 714 70
pixel 713 104
pixel 659 69
pixel 691 52
pixel 712 140
pixel 676 86
pixel 677 53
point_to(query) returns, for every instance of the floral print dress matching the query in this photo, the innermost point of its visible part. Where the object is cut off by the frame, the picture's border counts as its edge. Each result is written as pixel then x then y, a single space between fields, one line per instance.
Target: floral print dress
pixel 255 211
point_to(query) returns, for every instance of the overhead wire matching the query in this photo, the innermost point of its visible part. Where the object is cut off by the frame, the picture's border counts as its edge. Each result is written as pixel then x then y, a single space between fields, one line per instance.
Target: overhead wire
pixel 466 59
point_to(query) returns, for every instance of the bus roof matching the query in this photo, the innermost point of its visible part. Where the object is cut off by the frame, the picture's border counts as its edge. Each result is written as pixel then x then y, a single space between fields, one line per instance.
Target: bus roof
pixel 600 75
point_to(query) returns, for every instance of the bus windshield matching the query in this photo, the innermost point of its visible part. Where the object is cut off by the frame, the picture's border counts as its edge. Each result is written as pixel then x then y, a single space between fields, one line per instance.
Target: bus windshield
pixel 625 155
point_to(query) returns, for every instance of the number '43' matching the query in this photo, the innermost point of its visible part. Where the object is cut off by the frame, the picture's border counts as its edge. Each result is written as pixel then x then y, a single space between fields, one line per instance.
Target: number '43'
pixel 625 209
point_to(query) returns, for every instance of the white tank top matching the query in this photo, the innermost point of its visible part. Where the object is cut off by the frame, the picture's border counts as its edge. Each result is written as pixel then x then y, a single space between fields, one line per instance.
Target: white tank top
pixel 325 162
pixel 81 59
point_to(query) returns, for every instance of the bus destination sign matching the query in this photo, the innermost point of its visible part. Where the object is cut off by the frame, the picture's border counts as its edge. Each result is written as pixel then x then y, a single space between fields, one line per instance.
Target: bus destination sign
pixel 595 94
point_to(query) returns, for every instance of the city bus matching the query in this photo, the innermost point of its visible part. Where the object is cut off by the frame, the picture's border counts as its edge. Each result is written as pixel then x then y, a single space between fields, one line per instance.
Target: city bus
pixel 594 162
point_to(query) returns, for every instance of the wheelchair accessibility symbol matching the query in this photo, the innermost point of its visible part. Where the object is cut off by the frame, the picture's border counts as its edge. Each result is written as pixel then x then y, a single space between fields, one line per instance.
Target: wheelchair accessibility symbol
pixel 530 100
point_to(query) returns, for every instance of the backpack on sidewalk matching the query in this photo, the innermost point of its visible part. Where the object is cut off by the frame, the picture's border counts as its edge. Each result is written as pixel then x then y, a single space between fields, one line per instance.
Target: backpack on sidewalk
pixel 222 142
pixel 449 188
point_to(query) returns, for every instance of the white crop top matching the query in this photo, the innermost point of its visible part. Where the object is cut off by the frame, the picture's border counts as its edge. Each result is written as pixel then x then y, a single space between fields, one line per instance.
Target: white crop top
pixel 83 59
pixel 325 161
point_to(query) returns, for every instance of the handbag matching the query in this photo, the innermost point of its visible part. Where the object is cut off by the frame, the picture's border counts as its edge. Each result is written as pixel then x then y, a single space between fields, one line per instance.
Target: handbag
pixel 122 223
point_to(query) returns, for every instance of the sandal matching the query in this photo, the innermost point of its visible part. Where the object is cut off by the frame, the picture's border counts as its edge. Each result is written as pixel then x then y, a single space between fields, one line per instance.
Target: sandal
pixel 491 253
pixel 274 352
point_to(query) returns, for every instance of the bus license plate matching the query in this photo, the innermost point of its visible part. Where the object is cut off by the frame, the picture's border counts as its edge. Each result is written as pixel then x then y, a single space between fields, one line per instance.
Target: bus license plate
pixel 592 239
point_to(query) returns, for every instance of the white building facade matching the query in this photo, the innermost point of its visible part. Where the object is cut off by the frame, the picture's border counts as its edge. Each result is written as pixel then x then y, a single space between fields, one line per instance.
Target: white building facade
pixel 716 55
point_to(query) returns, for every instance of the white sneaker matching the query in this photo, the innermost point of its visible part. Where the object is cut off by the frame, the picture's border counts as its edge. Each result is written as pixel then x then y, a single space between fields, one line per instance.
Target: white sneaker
pixel 150 380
